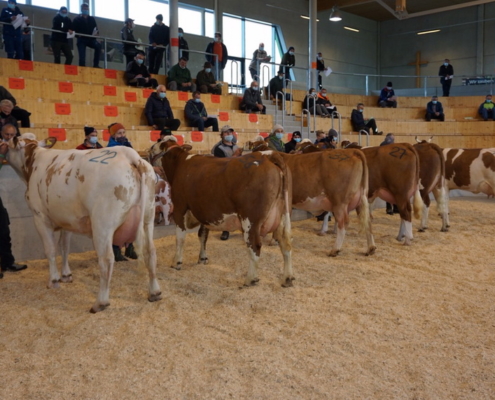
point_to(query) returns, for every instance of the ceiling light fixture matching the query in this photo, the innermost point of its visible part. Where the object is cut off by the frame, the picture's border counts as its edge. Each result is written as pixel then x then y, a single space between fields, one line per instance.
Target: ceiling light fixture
pixel 335 14
pixel 306 17
pixel 426 32
pixel 351 29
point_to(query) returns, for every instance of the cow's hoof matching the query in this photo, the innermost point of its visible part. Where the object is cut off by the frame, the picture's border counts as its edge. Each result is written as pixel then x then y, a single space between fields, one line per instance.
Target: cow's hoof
pixel 98 307
pixel 288 282
pixel 334 253
pixel 155 297
pixel 444 230
pixel 371 251
pixel 203 261
pixel 321 233
pixel 399 238
pixel 54 284
pixel 422 229
pixel 253 282
pixel 448 226
pixel 178 267
pixel 407 242
pixel 67 278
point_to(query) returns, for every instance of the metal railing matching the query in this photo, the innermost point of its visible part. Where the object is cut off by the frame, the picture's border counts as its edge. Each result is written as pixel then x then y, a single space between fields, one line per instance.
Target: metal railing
pixel 206 54
pixel 337 114
pixel 236 84
pixel 283 106
pixel 364 132
pixel 305 113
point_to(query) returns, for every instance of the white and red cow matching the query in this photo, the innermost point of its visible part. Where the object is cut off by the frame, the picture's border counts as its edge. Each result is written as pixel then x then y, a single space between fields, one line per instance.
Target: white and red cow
pixel 250 193
pixel 472 170
pixel 432 178
pixel 106 194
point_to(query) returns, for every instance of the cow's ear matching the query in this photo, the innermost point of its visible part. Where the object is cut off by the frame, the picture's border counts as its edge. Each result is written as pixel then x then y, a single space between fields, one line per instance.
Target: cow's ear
pixel 48 143
pixel 14 142
pixel 163 146
pixel 186 147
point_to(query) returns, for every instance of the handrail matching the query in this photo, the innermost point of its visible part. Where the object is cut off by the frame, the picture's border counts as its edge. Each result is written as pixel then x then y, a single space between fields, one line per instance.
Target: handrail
pixel 283 106
pixel 290 98
pixel 339 116
pixel 261 78
pixel 232 62
pixel 305 112
pixel 367 137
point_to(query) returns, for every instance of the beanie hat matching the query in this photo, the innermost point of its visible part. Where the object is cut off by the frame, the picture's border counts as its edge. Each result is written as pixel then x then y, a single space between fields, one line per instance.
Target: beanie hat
pixel 114 128
pixel 88 130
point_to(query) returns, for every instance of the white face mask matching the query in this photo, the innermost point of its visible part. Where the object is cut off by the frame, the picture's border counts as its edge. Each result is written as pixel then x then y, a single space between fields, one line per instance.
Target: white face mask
pixel 389 87
pixel 446 63
pixel 255 87
pixel 93 139
pixel 320 58
pixel 217 39
pixel 207 70
pixel 291 53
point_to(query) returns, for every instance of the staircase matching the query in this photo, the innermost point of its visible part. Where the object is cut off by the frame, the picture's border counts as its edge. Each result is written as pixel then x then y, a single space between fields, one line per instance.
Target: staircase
pixel 291 122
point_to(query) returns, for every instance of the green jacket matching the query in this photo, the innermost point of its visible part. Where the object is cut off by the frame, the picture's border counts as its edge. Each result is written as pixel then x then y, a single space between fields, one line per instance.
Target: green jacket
pixel 179 75
pixel 205 78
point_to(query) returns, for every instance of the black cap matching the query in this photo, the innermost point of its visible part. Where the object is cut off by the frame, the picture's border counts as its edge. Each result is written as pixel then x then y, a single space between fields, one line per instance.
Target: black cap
pixel 159 17
pixel 63 8
pixel 389 83
pixel 128 20
pixel 88 130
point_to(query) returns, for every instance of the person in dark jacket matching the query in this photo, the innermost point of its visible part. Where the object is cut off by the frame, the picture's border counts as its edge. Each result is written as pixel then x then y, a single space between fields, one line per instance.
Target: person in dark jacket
pixel 251 101
pixel 90 139
pixel 446 73
pixel 311 104
pixel 323 100
pixel 12 37
pixel 387 97
pixel 158 111
pixel 291 144
pixel 358 122
pixel 136 73
pixel 288 61
pixel 487 108
pixel 26 43
pixel 18 113
pixel 59 42
pixel 127 34
pixel 217 47
pixel 320 67
pixel 205 81
pixel 276 85
pixel 434 110
pixel 86 25
pixel 159 38
pixel 6 117
pixel 197 115
pixel 183 45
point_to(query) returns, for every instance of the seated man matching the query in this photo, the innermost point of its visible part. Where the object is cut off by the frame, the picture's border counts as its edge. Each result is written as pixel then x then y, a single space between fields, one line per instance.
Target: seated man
pixel 6 117
pixel 324 101
pixel 205 81
pixel 179 77
pixel 136 73
pixel 196 114
pixel 387 97
pixel 251 102
pixel 18 113
pixel 158 111
pixel 359 123
pixel 486 108
pixel 277 85
pixel 434 110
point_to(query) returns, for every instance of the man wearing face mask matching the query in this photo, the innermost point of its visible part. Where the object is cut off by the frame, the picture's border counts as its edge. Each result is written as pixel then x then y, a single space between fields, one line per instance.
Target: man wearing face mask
pixel 127 34
pixel 12 37
pixel 311 104
pixel 183 46
pixel 486 109
pixel 259 56
pixel 434 110
pixel 136 73
pixel 158 111
pixel 274 140
pixel 387 97
pixel 90 139
pixel 251 101
pixel 288 61
pixel 446 74
pixel 159 38
pixel 359 123
pixel 197 115
pixel 205 81
pixel 324 101
pixel 179 77
pixel 290 146
pixel 220 50
pixel 86 25
pixel 320 67
pixel 276 85
pixel 59 41
pixel 226 147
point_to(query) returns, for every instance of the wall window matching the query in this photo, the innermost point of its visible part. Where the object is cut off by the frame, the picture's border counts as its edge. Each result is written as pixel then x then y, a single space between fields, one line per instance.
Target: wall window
pixel 55 4
pixel 75 6
pixel 143 12
pixel 209 23
pixel 191 20
pixel 110 9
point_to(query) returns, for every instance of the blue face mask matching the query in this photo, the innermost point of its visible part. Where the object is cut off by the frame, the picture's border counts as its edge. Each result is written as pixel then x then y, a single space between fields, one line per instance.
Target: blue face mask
pixel 446 64
pixel 11 5
pixel 197 100
pixel 139 61
pixel 85 12
pixel 297 139
pixel 181 34
pixel 279 135
pixel 207 70
pixel 162 95
pixel 228 138
pixel 262 48
pixel 488 101
pixel 291 53
pixel 63 14
pixel 434 102
pixel 93 139
pixel 360 110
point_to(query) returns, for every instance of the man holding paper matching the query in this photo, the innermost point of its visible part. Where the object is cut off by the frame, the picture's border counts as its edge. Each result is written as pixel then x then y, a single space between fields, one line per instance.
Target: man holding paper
pixel 12 34
pixel 86 25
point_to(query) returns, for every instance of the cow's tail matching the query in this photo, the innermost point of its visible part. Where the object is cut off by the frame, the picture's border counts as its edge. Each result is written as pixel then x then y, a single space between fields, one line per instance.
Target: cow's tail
pixel 142 238
pixel 277 159
pixel 364 210
pixel 442 189
pixel 417 201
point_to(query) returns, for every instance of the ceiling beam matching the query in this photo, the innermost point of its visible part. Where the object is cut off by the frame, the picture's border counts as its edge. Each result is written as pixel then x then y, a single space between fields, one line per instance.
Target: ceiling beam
pixel 328 4
pixel 448 8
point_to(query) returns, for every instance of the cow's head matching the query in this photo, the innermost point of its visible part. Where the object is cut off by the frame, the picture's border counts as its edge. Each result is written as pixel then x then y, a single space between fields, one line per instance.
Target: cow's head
pixel 258 144
pixel 424 141
pixel 306 146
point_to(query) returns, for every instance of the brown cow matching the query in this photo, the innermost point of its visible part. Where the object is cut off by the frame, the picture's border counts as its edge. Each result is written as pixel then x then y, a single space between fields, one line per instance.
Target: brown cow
pixel 432 178
pixel 394 177
pixel 250 193
pixel 336 182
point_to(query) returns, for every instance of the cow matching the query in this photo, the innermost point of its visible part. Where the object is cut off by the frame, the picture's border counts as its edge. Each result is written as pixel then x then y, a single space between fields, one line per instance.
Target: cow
pixel 393 177
pixel 336 182
pixel 250 193
pixel 106 194
pixel 472 170
pixel 163 201
pixel 432 178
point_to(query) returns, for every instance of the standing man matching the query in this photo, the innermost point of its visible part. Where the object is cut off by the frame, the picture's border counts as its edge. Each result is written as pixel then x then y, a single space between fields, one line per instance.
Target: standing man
pixel 12 37
pixel 59 41
pixel 158 111
pixel 86 25
pixel 183 45
pixel 276 85
pixel 217 47
pixel 320 67
pixel 197 115
pixel 226 148
pixel 127 34
pixel 288 61
pixel 434 110
pixel 259 56
pixel 446 74
pixel 159 38
pixel 251 101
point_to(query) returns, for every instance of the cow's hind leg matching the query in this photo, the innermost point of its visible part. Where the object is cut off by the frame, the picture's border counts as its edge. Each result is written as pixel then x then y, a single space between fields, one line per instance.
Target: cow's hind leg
pixel 203 238
pixel 180 238
pixel 283 236
pixel 48 238
pixel 64 244
pixel 341 219
pixel 324 225
pixel 441 197
pixel 106 259
pixel 425 211
pixel 146 251
pixel 363 211
pixel 253 241
pixel 405 230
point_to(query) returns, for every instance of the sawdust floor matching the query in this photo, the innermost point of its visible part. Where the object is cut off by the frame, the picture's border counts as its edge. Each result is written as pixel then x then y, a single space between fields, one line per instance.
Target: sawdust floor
pixel 408 322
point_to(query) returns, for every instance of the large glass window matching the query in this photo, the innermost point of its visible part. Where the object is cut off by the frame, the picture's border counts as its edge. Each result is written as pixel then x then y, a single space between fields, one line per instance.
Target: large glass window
pixel 75 6
pixel 233 40
pixel 191 20
pixel 209 23
pixel 110 9
pixel 143 12
pixel 55 4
